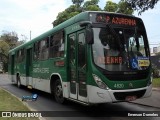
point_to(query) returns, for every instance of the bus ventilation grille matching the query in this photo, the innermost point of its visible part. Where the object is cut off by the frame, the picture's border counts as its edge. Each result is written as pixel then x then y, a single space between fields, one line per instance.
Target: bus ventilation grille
pixel 123 95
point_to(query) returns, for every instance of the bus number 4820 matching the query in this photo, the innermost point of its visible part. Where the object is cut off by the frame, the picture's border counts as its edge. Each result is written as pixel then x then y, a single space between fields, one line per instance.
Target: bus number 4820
pixel 119 85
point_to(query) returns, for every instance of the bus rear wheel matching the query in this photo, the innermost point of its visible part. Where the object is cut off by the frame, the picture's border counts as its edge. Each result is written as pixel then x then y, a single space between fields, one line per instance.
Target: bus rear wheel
pixel 58 91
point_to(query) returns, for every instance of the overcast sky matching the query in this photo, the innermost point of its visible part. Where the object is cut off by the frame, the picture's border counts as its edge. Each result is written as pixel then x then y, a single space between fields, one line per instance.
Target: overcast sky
pixel 23 16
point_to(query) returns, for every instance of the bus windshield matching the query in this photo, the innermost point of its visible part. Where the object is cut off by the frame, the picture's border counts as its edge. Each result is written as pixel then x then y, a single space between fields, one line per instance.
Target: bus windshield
pixel 120 49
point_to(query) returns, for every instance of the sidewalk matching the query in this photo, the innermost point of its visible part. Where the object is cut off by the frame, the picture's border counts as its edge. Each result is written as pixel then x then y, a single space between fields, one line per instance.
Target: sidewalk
pixel 153 100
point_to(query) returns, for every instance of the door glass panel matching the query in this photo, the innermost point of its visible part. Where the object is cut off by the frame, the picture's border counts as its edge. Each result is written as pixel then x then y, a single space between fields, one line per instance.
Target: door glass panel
pixel 72 64
pixel 82 65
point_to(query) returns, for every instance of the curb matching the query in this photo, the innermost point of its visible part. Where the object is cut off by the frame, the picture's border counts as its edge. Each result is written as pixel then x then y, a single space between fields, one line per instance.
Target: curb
pixel 156 89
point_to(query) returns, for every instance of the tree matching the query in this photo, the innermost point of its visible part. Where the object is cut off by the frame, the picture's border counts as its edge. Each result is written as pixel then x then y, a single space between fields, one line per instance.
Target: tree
pixel 111 6
pixel 121 7
pixel 75 9
pixel 142 5
pixel 125 8
pixel 77 2
pixel 65 15
pixel 10 38
pixel 91 5
pixel 4 49
pixel 92 8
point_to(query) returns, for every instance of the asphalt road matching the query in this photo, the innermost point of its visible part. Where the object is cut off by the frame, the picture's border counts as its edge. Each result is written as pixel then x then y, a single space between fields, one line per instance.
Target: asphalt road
pixel 45 102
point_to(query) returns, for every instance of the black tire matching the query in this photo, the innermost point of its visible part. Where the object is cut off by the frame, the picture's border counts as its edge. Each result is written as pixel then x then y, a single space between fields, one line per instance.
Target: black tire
pixel 18 81
pixel 58 92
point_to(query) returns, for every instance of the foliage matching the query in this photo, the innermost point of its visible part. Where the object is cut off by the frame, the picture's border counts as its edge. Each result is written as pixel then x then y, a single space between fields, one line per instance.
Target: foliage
pixel 64 15
pixel 4 48
pixel 92 5
pixel 156 82
pixel 92 8
pixel 111 6
pixel 8 40
pixel 125 8
pixel 121 7
pixel 142 5
pixel 11 38
pixel 75 9
pixel 78 2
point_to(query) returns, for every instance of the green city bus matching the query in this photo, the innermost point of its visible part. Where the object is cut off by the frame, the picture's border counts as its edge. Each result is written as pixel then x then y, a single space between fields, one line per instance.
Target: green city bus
pixel 94 57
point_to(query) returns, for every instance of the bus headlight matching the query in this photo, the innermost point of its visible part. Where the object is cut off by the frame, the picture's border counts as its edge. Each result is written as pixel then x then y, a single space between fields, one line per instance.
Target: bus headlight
pixel 99 82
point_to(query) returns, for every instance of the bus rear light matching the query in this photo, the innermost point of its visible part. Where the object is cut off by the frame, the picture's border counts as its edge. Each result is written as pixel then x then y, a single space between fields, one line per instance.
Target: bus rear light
pixel 99 82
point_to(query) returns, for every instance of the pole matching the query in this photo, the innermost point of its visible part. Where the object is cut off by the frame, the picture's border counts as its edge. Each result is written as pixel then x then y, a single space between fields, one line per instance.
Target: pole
pixel 30 35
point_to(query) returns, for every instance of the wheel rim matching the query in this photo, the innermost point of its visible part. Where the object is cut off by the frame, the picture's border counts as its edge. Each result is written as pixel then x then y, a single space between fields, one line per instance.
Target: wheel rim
pixel 59 92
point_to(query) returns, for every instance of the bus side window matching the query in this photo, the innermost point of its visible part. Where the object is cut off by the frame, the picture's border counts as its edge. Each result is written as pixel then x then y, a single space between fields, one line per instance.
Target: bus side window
pixel 57 45
pixel 51 47
pixel 44 46
pixel 36 51
pixel 20 56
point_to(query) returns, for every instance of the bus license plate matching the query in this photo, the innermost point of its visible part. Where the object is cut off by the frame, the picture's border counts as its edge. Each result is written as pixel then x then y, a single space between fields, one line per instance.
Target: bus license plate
pixel 130 98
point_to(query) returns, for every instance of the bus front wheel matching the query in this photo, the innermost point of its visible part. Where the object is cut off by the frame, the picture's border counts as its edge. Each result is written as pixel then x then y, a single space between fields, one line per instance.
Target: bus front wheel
pixel 58 91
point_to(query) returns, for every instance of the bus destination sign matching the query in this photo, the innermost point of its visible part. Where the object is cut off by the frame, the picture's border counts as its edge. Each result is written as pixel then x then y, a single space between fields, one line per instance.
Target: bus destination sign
pixel 118 20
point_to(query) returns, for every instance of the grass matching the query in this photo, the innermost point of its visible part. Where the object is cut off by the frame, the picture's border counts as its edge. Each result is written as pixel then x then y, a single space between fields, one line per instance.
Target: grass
pixel 11 103
pixel 156 82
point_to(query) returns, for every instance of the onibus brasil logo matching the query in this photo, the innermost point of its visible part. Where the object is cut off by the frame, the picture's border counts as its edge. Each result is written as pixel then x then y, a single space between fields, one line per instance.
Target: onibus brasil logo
pixel 33 97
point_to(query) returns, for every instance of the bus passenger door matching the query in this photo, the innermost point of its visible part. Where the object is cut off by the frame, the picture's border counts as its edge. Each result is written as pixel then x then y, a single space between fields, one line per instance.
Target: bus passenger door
pixel 29 81
pixel 77 66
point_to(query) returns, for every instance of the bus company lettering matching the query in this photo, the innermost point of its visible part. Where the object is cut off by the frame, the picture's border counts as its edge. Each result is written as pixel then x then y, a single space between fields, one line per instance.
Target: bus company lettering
pixel 109 60
pixel 41 70
pixel 123 21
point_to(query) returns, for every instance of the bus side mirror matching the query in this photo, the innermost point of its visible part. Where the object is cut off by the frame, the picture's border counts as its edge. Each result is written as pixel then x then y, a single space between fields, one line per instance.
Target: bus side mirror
pixel 89 31
pixel 89 36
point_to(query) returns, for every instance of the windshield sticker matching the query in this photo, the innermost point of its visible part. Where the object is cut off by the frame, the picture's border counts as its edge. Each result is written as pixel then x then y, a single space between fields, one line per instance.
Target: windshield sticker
pixel 137 63
pixel 143 62
pixel 134 63
pixel 109 60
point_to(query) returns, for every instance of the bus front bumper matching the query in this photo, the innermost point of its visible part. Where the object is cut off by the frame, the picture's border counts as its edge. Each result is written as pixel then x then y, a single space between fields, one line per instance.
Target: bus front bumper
pixel 97 95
